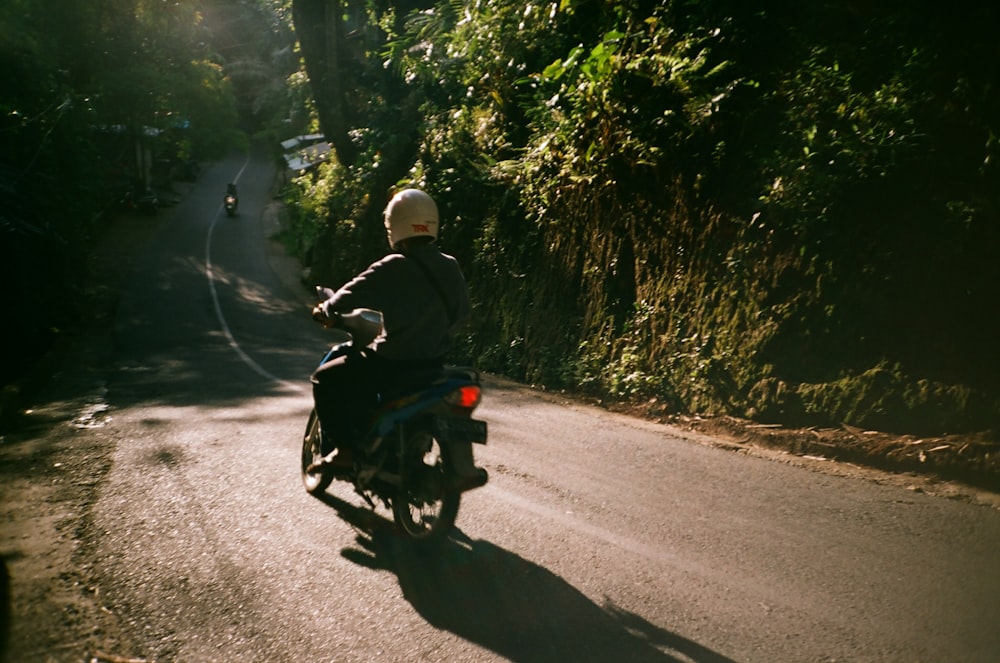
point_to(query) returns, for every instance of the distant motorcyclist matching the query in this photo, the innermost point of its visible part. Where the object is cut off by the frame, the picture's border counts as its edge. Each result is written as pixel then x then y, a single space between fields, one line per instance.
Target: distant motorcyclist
pixel 422 295
pixel 231 200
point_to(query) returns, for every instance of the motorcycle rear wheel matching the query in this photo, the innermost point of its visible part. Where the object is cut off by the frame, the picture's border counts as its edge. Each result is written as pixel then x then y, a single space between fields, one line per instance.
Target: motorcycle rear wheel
pixel 425 505
pixel 315 482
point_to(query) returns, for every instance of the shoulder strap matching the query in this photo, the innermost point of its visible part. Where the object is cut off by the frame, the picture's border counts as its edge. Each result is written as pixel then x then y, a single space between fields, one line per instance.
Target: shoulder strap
pixel 437 288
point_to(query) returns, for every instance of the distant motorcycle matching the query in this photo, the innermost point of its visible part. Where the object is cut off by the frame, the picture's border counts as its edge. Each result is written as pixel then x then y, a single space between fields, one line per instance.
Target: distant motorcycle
pixel 231 202
pixel 415 456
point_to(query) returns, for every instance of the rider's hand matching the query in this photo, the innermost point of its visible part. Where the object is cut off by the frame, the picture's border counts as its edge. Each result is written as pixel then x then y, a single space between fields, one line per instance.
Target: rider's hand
pixel 321 316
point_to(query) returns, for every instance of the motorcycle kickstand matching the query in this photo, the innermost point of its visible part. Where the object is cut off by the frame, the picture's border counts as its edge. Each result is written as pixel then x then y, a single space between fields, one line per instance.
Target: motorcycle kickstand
pixel 365 496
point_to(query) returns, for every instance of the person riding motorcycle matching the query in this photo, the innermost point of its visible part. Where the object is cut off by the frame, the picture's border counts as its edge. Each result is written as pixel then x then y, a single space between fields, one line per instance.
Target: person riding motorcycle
pixel 231 200
pixel 423 298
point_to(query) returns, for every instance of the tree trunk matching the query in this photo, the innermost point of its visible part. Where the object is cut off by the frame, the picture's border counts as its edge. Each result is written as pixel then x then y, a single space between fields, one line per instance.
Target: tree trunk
pixel 320 27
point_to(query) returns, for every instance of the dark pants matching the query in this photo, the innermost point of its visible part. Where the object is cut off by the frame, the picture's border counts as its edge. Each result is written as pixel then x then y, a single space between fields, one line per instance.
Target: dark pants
pixel 346 391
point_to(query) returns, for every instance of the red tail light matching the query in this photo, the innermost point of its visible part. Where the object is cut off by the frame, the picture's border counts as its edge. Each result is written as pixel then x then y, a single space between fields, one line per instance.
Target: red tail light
pixel 468 396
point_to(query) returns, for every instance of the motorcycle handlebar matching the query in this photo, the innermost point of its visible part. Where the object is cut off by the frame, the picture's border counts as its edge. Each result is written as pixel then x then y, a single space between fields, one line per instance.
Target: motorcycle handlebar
pixel 360 321
pixel 327 320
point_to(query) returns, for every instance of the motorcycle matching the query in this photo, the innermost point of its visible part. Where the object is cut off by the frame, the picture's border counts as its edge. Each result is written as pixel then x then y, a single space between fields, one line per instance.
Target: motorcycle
pixel 415 454
pixel 231 202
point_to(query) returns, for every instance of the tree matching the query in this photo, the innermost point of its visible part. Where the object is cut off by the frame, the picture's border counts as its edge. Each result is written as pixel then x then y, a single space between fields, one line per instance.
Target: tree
pixel 321 29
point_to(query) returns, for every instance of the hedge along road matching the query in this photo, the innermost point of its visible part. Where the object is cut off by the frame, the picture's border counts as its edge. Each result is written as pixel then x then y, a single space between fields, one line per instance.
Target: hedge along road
pixel 599 537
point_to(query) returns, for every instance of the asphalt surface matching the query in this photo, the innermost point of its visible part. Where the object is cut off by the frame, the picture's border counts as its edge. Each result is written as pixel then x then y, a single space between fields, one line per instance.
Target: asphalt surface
pixel 599 537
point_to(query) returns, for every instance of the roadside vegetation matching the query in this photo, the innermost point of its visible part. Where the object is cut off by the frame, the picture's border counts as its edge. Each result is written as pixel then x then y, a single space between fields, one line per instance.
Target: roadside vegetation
pixel 784 212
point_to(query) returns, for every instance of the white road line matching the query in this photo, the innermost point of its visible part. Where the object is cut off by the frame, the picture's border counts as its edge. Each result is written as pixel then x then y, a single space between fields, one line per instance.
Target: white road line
pixel 247 359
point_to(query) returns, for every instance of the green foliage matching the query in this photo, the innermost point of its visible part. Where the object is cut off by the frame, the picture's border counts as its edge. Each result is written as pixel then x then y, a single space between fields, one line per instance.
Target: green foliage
pixel 322 206
pixel 717 205
pixel 886 398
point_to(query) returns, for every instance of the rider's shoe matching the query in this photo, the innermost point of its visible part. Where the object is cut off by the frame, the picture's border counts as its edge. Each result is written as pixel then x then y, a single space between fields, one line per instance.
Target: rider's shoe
pixel 478 478
pixel 338 459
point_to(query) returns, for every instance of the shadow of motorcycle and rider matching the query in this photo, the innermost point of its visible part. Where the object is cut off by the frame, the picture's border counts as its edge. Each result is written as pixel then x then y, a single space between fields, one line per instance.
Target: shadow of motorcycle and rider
pixel 502 602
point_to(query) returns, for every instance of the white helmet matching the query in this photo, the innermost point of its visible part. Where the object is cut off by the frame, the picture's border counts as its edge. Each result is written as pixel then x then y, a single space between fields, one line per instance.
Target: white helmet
pixel 411 213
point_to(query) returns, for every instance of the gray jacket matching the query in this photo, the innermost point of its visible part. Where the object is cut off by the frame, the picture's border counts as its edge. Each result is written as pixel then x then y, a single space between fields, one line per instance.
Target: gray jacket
pixel 418 323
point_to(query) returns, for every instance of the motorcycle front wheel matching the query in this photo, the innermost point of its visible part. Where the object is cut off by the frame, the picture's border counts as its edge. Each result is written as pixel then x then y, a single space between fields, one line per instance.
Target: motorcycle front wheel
pixel 425 505
pixel 315 482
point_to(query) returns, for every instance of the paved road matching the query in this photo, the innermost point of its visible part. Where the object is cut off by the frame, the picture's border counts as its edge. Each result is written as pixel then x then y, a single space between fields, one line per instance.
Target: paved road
pixel 599 537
